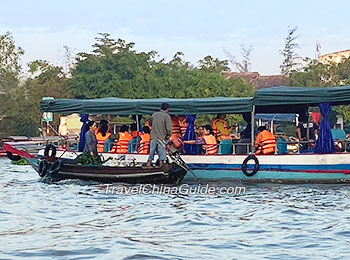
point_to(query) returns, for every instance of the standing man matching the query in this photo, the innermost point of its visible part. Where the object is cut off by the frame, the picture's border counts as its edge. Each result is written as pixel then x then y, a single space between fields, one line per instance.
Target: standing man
pixel 160 132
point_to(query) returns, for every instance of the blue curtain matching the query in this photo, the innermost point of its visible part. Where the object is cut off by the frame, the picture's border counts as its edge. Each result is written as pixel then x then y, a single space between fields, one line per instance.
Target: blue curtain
pixel 84 119
pixel 190 135
pixel 325 142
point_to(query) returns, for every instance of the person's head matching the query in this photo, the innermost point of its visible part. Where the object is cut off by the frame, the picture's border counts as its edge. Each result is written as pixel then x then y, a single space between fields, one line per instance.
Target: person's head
pixel 103 122
pixel 146 130
pixel 221 116
pixel 133 127
pixel 165 107
pixel 124 128
pixel 208 130
pixel 92 125
pixel 200 130
pixel 261 128
pixel 103 129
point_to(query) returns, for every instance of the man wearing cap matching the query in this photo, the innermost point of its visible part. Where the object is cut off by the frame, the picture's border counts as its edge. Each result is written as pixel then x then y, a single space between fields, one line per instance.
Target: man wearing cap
pixel 161 130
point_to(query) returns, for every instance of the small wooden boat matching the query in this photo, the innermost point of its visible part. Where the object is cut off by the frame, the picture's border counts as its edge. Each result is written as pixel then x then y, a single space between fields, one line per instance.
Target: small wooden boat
pixel 169 173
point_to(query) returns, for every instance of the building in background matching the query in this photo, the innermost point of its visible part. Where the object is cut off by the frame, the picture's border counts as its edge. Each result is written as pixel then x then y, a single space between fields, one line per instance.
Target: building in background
pixel 258 81
pixel 334 57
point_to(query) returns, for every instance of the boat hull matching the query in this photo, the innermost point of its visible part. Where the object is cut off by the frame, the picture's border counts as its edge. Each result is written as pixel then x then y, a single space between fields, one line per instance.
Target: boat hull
pixel 168 174
pixel 296 168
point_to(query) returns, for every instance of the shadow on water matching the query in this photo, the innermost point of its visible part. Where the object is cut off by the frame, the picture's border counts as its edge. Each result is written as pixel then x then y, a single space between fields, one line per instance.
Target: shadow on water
pixel 75 219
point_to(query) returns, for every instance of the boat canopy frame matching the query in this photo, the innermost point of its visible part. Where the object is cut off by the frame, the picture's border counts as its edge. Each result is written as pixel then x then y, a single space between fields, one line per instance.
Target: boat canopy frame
pixel 126 107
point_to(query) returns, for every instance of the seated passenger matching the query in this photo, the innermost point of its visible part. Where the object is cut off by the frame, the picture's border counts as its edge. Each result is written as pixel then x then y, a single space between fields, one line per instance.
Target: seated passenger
pixel 208 141
pixel 122 142
pixel 220 129
pixel 145 141
pixel 265 141
pixel 102 136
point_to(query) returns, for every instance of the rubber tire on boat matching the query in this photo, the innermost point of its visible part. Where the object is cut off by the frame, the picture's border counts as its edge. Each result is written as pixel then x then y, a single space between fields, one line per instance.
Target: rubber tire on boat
pixel 256 166
pixel 43 167
pixel 56 167
pixel 47 150
pixel 13 157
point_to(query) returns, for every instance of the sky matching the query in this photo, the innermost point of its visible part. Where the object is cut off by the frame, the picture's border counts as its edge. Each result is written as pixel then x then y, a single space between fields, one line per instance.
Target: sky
pixel 195 27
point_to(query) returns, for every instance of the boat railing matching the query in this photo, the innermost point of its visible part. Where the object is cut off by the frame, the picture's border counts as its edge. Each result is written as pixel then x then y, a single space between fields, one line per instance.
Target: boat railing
pixel 293 147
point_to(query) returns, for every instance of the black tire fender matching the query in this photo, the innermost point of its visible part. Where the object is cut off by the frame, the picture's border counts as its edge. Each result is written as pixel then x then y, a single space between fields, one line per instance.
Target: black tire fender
pixel 13 157
pixel 43 167
pixel 49 148
pixel 256 165
pixel 56 167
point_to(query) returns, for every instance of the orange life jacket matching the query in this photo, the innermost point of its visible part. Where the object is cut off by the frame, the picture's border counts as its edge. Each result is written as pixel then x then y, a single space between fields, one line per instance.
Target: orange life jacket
pixel 144 144
pixel 135 134
pixel 176 132
pixel 101 141
pixel 211 146
pixel 268 141
pixel 183 126
pixel 121 145
pixel 216 132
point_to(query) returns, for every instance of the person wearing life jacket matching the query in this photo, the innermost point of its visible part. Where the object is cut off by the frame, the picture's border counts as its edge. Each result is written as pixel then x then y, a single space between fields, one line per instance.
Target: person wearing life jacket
pixel 265 141
pixel 101 137
pixel 122 142
pixel 102 122
pixel 145 141
pixel 208 141
pixel 176 132
pixel 220 129
pixel 183 125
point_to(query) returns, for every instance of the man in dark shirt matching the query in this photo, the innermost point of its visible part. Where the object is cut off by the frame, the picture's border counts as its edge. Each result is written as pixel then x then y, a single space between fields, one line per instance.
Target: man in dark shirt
pixel 160 132
pixel 302 131
pixel 304 135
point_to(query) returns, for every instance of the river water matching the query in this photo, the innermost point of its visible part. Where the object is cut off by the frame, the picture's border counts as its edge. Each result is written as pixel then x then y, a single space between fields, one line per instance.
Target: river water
pixel 78 220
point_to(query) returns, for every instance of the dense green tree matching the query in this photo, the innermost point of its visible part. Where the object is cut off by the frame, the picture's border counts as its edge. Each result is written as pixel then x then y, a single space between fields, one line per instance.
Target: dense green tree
pixel 116 69
pixel 9 71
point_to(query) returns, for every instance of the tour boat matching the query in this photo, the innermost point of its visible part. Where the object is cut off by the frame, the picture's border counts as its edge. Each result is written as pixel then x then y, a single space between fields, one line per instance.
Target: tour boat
pixel 321 167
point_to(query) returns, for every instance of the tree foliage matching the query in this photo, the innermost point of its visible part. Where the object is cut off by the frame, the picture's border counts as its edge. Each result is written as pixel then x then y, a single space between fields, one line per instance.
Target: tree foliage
pixel 116 69
pixel 113 68
pixel 317 74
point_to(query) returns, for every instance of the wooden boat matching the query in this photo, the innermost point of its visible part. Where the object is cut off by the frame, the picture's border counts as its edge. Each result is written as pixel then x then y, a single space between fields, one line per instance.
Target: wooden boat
pixel 170 173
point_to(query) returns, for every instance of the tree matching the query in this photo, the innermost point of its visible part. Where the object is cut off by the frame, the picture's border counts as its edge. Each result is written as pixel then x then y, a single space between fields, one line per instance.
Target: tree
pixel 116 69
pixel 290 58
pixel 9 70
pixel 317 74
pixel 211 64
pixel 244 65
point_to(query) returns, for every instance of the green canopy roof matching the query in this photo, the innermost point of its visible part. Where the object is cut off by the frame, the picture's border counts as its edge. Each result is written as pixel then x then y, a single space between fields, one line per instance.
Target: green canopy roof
pixel 302 95
pixel 121 106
